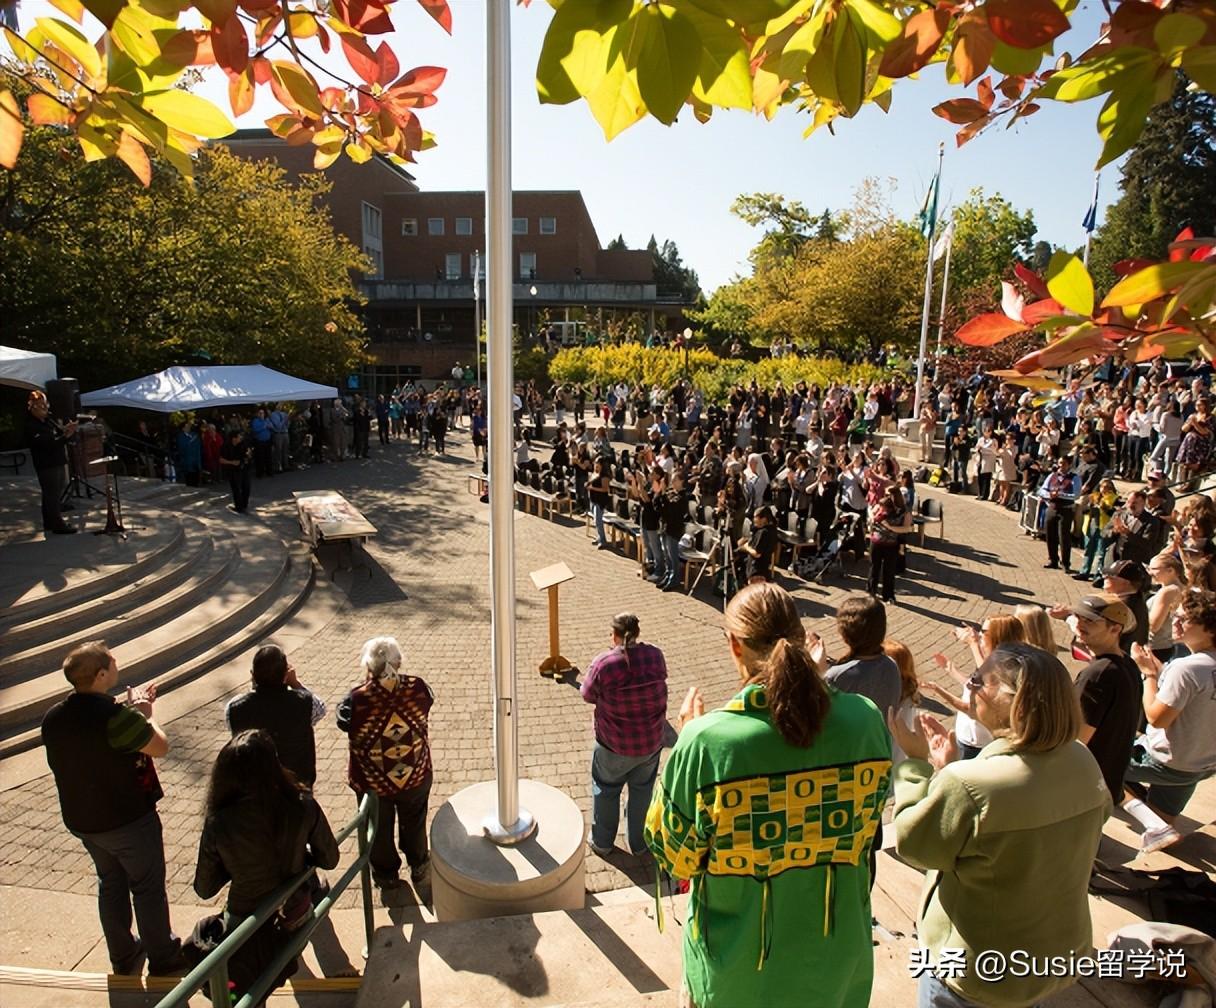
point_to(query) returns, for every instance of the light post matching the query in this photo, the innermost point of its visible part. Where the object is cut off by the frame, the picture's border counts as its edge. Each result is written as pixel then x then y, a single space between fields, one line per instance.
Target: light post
pixel 687 345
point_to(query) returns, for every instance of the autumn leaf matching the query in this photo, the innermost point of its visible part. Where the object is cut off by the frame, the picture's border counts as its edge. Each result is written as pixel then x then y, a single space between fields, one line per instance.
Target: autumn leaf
pixel 989 329
pixel 46 111
pixel 12 129
pixel 440 11
pixel 960 110
pixel 922 35
pixel 1025 24
pixel 973 47
pixel 1151 283
pixel 1034 283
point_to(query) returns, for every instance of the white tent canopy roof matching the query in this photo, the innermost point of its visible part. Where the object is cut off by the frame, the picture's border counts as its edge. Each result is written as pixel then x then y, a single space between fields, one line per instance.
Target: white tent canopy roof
pixel 190 388
pixel 25 368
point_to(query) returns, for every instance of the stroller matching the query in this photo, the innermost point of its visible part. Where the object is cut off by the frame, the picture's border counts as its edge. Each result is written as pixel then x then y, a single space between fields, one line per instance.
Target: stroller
pixel 845 533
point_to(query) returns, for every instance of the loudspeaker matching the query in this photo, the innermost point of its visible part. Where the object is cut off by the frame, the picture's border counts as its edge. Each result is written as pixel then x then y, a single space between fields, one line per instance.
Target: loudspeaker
pixel 63 394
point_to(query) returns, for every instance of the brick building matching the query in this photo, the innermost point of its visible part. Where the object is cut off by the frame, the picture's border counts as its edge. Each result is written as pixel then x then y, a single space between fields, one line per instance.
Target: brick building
pixel 420 313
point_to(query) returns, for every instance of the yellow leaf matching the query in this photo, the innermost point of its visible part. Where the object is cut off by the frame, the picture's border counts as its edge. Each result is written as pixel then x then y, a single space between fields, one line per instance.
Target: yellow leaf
pixel 303 25
pixel 72 42
pixel 131 153
pixel 12 130
pixel 329 135
pixel 21 49
pixel 188 113
pixel 46 111
pixel 94 143
pixel 358 153
pixel 297 85
pixel 326 155
pixel 72 8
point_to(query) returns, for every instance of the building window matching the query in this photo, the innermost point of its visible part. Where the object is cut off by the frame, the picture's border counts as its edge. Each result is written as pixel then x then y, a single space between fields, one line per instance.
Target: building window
pixel 371 222
pixel 409 227
pixel 451 266
pixel 464 225
pixel 434 225
pixel 519 225
pixel 548 225
pixel 527 265
pixel 377 258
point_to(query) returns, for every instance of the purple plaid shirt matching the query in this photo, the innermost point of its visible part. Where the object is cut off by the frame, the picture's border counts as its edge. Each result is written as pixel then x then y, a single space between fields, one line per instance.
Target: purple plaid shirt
pixel 629 690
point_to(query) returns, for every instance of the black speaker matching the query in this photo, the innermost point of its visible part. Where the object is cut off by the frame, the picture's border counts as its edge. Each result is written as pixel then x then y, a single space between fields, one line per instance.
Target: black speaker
pixel 63 394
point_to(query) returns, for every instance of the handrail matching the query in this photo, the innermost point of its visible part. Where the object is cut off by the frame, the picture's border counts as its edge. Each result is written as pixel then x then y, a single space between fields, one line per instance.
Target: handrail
pixel 214 969
pixel 136 445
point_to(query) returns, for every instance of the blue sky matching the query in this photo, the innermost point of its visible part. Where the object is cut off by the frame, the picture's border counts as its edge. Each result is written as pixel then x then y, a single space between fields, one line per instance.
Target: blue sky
pixel 679 182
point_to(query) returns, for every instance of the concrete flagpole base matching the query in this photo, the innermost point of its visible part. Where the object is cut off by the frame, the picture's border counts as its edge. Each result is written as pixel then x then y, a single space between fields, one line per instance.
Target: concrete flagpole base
pixel 472 877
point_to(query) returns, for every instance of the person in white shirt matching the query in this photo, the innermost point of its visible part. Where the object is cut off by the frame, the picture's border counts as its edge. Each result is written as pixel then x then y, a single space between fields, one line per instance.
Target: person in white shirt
pixel 1139 436
pixel 986 448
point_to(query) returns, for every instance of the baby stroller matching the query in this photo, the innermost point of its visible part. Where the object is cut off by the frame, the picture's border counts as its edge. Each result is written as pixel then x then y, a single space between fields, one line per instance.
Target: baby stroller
pixel 843 534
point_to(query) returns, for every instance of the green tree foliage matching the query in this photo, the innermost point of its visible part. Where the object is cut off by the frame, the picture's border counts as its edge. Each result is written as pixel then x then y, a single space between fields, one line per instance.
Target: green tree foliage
pixel 989 237
pixel 670 273
pixel 119 280
pixel 1168 182
pixel 729 313
pixel 618 244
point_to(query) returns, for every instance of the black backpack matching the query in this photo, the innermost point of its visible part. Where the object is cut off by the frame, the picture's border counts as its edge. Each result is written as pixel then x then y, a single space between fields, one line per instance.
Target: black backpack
pixel 1174 896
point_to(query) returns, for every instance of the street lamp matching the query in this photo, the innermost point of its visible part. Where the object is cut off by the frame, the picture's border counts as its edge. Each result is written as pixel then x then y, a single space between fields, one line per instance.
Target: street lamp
pixel 687 343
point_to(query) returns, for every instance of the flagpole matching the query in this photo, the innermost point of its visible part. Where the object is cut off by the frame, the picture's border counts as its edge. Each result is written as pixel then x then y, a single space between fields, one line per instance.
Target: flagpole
pixel 941 317
pixel 924 315
pixel 1090 220
pixel 477 313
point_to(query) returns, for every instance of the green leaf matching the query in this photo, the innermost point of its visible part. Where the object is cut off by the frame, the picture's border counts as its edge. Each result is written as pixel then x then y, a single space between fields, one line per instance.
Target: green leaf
pixel 801 46
pixel 1122 118
pixel 850 62
pixel 743 12
pixel 1070 284
pixel 666 52
pixel 1090 78
pixel 723 77
pixel 135 32
pixel 1016 62
pixel 574 56
pixel 1176 32
pixel 1200 66
pixel 880 26
pixel 104 10
pixel 187 112
pixel 71 42
pixel 1151 283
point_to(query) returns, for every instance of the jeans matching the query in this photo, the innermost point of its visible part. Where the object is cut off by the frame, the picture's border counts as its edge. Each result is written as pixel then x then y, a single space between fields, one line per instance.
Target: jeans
pixel 933 993
pixel 130 864
pixel 409 811
pixel 610 772
pixel 671 547
pixel 281 450
pixel 1168 790
pixel 653 540
pixel 597 512
pixel 1095 550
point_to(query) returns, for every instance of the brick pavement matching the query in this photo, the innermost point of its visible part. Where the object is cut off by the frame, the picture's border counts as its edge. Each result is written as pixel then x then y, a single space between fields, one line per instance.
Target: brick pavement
pixel 428 586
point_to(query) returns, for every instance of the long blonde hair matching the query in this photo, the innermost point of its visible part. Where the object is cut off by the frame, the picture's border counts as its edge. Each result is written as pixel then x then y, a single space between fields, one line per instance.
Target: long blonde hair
pixel 1036 625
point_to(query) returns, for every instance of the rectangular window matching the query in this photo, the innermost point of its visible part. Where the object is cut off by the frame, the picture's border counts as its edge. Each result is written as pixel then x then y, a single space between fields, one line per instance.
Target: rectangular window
pixel 371 221
pixel 434 225
pixel 527 265
pixel 377 258
pixel 519 225
pixel 409 227
pixel 451 266
pixel 464 225
pixel 548 225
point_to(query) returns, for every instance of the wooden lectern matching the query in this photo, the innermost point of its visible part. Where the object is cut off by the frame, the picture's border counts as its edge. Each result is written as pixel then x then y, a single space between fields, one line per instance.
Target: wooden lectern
pixel 550 578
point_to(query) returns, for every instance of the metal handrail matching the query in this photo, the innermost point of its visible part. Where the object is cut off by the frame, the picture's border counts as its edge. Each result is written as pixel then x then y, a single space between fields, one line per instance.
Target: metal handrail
pixel 214 969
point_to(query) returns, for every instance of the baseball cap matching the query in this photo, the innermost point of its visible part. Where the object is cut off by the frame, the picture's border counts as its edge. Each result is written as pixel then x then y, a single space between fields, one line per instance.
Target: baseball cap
pixel 1129 570
pixel 1105 607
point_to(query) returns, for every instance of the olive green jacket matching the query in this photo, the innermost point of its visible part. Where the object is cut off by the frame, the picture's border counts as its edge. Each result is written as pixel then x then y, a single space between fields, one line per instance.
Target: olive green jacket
pixel 1008 840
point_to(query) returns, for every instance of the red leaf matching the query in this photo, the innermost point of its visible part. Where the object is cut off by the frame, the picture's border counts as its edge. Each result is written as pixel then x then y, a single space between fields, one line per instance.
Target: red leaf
pixel 974 43
pixel 332 98
pixel 323 38
pixel 922 35
pixel 386 60
pixel 363 16
pixel 231 45
pixel 421 80
pixel 189 48
pixel 1033 314
pixel 440 11
pixel 260 66
pixel 218 12
pixel 983 91
pixel 989 329
pixel 1034 283
pixel 1012 87
pixel 970 130
pixel 960 110
pixel 1025 24
pixel 1126 267
pixel 361 58
pixel 1177 254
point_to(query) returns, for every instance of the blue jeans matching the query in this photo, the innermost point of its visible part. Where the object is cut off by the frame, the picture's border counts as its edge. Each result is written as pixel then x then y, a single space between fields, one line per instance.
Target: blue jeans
pixel 671 547
pixel 610 772
pixel 130 864
pixel 1095 550
pixel 597 512
pixel 653 540
pixel 1168 789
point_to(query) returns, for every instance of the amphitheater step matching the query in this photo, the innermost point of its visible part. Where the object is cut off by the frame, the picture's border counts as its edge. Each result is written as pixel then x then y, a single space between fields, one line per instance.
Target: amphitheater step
pixel 250 583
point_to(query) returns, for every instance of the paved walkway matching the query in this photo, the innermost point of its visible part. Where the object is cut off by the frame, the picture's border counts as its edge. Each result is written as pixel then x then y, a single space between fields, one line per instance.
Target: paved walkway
pixel 428 587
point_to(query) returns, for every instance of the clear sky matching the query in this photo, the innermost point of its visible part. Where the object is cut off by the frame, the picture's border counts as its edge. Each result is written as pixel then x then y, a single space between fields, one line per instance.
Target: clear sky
pixel 678 182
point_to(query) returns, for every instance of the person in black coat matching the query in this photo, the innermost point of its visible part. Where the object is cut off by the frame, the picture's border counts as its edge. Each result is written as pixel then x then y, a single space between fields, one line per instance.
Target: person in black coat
pixel 46 440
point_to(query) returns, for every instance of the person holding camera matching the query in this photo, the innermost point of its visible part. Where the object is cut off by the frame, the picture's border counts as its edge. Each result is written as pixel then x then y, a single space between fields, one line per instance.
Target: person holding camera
pixel 761 547
pixel 236 457
pixel 1134 533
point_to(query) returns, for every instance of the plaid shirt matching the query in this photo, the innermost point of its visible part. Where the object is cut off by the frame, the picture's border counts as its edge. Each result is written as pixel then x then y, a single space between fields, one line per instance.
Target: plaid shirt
pixel 629 690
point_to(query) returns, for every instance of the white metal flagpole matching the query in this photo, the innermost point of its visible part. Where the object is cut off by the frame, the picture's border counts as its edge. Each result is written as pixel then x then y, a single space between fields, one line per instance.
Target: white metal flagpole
pixel 509 824
pixel 924 315
pixel 477 313
pixel 941 315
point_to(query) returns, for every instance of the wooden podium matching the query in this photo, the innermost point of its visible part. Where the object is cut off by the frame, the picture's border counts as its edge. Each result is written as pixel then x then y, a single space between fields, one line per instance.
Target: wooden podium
pixel 550 578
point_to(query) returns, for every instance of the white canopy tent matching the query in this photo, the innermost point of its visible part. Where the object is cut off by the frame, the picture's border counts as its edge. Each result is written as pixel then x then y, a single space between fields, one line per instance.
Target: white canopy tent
pixel 26 369
pixel 190 388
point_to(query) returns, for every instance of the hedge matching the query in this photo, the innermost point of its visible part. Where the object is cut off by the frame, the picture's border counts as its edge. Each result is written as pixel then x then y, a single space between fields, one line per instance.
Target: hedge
pixel 715 376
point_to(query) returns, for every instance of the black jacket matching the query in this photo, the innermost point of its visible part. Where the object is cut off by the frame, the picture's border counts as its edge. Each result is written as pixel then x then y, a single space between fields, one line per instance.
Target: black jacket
pixel 46 443
pixel 286 714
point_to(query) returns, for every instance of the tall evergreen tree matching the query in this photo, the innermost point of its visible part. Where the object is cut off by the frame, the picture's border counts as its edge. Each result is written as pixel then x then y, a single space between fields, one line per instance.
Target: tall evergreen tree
pixel 1169 182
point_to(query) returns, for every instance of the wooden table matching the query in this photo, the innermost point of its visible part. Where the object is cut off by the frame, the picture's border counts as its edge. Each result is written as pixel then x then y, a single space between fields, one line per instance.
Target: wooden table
pixel 326 516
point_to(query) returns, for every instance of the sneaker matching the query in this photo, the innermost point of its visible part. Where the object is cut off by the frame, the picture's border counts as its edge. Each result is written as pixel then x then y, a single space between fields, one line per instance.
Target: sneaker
pixel 1082 576
pixel 1051 566
pixel 1158 839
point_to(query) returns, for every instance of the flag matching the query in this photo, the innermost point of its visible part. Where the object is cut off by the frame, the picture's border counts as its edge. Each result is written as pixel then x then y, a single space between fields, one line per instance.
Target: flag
pixel 476 275
pixel 944 241
pixel 928 211
pixel 1091 215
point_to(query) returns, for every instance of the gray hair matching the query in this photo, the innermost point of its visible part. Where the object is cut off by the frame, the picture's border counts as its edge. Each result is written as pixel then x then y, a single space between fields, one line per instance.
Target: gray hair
pixel 378 653
pixel 625 625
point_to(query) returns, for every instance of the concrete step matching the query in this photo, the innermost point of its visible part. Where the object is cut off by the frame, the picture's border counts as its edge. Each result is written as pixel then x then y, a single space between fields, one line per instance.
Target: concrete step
pixel 39 578
pixel 201 564
pixel 263 584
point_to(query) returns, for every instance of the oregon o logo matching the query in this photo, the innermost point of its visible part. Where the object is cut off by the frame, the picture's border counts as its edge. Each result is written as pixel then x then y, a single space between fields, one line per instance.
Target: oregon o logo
pixel 732 798
pixel 804 787
pixel 867 776
pixel 737 861
pixel 799 853
pixel 770 830
pixel 838 818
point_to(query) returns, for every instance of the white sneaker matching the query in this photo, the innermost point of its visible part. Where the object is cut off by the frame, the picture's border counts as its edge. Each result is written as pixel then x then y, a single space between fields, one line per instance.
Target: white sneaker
pixel 1158 839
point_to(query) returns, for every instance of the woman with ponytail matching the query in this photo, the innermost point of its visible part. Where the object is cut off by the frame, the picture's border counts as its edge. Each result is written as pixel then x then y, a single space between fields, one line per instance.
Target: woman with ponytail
pixel 386 718
pixel 769 806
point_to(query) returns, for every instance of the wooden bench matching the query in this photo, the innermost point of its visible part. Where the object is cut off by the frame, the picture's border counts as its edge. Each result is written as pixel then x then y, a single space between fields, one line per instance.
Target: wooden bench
pixel 13 460
pixel 479 483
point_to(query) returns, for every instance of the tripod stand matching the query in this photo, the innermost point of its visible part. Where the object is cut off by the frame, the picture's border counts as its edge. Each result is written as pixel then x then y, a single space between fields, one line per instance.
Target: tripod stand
pixel 722 543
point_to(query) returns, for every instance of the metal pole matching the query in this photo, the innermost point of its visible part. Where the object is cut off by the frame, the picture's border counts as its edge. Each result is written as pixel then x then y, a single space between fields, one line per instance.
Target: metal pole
pixel 941 317
pixel 509 823
pixel 924 315
pixel 477 313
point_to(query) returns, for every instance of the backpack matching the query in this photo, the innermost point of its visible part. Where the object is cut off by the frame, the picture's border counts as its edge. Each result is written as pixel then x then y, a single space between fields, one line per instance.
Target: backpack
pixel 936 476
pixel 921 475
pixel 1175 896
